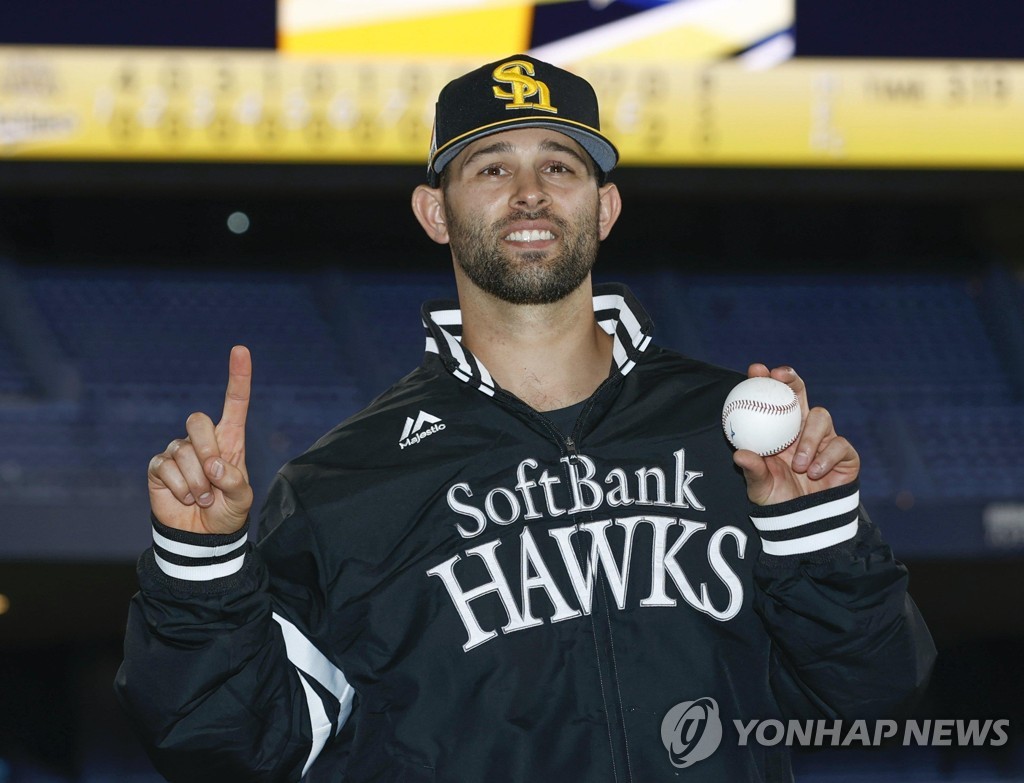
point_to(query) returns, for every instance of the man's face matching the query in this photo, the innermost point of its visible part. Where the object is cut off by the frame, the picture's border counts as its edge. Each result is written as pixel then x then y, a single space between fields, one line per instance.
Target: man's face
pixel 523 214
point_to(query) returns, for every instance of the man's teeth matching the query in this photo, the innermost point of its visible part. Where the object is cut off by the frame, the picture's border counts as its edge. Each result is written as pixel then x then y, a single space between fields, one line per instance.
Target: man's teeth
pixel 529 236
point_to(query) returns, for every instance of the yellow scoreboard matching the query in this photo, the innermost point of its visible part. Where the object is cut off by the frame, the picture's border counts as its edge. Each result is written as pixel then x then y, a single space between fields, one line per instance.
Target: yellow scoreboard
pixel 354 82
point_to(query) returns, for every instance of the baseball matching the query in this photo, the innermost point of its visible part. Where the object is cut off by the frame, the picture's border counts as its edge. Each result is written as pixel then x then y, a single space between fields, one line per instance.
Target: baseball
pixel 762 415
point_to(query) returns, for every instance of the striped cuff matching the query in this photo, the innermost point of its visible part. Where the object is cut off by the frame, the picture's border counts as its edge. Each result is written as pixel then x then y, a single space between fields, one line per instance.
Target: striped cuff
pixel 809 524
pixel 198 557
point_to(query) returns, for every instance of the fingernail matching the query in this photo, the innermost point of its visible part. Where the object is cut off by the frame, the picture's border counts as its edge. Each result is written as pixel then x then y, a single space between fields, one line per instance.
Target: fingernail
pixel 189 500
pixel 217 469
pixel 800 460
pixel 816 470
pixel 206 499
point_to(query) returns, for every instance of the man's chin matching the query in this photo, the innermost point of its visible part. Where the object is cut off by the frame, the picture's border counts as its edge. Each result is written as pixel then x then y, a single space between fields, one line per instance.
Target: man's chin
pixel 534 292
pixel 533 256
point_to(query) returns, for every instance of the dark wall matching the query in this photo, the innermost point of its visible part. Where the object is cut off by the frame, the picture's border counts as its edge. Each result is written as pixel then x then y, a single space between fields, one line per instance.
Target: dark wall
pixel 189 23
pixel 989 29
pixel 696 219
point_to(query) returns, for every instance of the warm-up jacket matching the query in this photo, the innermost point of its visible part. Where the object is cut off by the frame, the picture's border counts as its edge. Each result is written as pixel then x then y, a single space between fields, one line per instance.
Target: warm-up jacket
pixel 449 588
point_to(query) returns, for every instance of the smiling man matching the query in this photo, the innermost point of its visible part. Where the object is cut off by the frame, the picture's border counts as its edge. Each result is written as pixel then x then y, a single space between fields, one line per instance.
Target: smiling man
pixel 535 557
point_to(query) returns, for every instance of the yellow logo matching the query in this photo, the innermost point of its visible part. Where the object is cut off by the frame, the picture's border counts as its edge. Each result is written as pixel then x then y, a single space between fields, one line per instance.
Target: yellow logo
pixel 518 74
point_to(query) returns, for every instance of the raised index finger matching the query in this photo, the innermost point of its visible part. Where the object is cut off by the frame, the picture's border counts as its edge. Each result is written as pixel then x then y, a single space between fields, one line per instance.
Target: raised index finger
pixel 236 399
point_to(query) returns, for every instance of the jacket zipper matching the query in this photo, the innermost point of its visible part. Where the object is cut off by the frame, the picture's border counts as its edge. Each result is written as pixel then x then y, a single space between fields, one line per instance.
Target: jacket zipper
pixel 612 701
pixel 570 446
pixel 608 697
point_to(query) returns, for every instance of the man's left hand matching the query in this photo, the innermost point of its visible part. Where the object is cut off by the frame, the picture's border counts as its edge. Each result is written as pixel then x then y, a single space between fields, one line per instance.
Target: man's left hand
pixel 819 458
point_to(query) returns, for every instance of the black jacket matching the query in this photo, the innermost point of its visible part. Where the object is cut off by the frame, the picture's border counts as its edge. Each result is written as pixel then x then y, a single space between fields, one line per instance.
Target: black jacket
pixel 448 588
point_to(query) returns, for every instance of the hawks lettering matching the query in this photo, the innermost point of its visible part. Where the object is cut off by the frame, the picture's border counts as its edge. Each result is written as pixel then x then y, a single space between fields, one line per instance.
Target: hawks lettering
pixel 538 575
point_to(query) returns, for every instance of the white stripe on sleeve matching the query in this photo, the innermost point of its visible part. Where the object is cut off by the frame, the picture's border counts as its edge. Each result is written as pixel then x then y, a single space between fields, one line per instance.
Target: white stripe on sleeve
pixel 812 543
pixel 200 573
pixel 305 657
pixel 808 516
pixel 194 550
pixel 318 720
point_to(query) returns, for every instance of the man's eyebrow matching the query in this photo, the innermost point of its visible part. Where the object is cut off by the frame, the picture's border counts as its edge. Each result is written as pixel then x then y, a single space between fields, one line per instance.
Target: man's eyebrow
pixel 551 145
pixel 490 149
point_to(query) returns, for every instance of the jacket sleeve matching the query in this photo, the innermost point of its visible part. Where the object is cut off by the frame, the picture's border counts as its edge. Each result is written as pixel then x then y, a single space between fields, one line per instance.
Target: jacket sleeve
pixel 222 670
pixel 848 642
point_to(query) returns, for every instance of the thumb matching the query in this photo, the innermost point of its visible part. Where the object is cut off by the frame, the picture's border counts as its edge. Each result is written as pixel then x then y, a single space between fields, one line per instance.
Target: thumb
pixel 232 483
pixel 755 473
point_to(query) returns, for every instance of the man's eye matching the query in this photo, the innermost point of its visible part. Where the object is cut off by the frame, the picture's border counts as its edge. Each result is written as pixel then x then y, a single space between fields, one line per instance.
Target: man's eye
pixel 491 171
pixel 559 168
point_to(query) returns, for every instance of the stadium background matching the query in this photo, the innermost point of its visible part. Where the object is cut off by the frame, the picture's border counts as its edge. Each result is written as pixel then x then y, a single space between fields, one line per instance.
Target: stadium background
pixel 838 186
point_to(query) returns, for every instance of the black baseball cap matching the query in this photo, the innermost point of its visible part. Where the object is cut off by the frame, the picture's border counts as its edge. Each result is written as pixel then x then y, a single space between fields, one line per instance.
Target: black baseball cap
pixel 516 92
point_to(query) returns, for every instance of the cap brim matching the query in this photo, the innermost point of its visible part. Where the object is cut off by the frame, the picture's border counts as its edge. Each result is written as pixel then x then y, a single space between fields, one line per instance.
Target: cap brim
pixel 604 153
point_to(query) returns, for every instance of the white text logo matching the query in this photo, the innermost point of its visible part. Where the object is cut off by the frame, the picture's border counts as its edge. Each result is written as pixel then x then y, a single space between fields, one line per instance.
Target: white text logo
pixel 419 428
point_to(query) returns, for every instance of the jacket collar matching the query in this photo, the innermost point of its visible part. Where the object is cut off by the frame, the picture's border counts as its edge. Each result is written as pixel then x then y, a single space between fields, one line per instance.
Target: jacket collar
pixel 616 310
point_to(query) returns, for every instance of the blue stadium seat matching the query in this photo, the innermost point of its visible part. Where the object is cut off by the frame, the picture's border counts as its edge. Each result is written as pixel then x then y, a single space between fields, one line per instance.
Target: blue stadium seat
pixel 906 365
pixel 15 381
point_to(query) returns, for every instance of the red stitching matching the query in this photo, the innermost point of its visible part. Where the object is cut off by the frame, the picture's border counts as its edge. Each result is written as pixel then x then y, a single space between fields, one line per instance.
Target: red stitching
pixel 760 407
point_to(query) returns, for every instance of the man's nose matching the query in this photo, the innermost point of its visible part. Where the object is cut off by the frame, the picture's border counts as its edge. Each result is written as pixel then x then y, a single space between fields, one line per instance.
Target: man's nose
pixel 528 192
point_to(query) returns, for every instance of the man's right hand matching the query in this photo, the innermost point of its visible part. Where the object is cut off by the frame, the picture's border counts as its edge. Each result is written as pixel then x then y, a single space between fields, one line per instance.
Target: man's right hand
pixel 199 484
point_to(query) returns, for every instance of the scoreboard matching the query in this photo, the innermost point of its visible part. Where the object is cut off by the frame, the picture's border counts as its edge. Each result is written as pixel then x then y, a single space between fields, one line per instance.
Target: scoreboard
pixel 681 82
pixel 211 105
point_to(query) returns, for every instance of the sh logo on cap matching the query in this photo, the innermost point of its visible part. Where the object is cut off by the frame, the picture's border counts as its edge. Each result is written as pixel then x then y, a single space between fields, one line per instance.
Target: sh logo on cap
pixel 519 74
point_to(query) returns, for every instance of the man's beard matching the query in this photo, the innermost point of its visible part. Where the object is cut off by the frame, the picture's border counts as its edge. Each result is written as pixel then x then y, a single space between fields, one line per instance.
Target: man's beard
pixel 534 278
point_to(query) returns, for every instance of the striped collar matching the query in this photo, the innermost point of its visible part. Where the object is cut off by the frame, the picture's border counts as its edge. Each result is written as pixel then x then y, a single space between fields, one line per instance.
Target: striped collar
pixel 615 308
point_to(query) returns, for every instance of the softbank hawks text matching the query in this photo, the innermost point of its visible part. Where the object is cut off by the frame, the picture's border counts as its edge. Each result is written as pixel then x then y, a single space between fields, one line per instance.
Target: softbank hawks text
pixel 539 494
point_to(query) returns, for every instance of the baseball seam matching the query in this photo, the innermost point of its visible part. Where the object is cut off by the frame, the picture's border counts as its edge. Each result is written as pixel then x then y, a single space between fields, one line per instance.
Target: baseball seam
pixel 777 449
pixel 759 407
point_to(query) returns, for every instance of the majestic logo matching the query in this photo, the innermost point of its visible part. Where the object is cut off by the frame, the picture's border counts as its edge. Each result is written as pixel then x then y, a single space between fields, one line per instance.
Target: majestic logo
pixel 419 428
pixel 518 74
pixel 691 731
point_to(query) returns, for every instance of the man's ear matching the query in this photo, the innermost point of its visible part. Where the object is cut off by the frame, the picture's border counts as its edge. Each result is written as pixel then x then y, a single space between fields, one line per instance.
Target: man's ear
pixel 610 206
pixel 428 207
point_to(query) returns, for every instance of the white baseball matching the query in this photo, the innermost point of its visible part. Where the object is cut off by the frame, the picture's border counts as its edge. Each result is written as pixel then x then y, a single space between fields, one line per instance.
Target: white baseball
pixel 762 415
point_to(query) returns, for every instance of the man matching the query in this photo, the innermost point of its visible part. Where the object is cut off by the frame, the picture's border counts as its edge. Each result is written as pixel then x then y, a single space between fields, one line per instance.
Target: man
pixel 534 558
